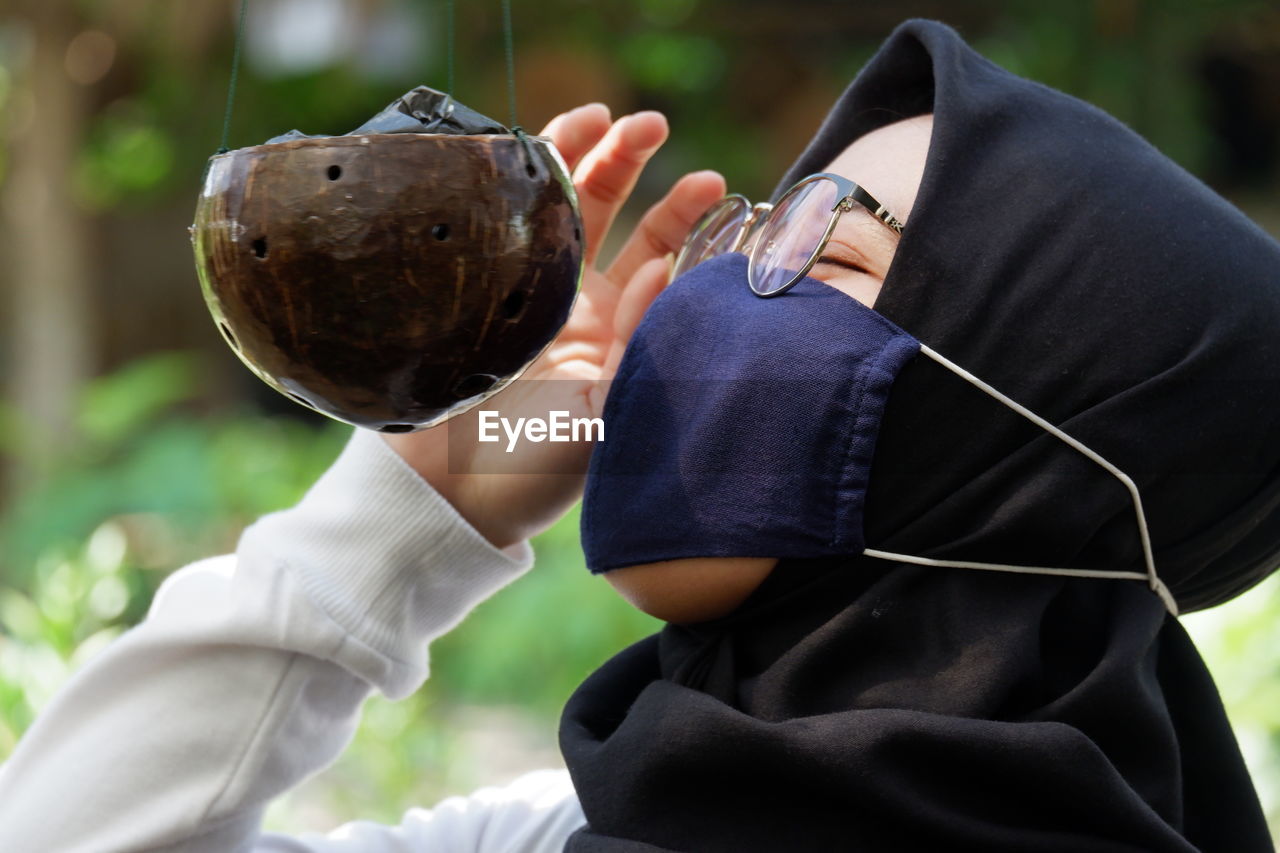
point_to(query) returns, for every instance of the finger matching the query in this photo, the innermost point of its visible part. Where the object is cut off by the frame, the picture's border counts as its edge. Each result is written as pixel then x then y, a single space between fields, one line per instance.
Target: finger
pixel 643 288
pixel 663 228
pixel 608 172
pixel 576 131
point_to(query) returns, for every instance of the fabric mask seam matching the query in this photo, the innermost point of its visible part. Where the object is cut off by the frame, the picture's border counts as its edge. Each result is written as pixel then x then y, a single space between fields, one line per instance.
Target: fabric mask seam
pixel 625 370
pixel 869 369
pixel 839 512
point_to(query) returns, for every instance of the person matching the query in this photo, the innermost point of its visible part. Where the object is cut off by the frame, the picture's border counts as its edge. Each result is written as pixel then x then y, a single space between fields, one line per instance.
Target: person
pixel 821 694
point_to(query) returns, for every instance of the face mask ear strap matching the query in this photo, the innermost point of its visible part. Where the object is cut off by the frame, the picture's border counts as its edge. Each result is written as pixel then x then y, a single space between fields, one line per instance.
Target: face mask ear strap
pixel 1153 580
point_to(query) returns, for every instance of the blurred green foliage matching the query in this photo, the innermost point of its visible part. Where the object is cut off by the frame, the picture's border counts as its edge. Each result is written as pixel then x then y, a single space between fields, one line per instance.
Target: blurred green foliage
pixel 125 157
pixel 162 476
pixel 1240 642
pixel 725 73
pixel 146 450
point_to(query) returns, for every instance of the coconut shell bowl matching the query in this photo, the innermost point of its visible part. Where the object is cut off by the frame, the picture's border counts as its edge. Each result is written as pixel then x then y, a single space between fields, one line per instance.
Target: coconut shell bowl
pixel 389 280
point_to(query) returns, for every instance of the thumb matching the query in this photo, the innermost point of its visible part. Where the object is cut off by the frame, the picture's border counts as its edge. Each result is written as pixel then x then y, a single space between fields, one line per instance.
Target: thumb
pixel 639 294
pixel 644 287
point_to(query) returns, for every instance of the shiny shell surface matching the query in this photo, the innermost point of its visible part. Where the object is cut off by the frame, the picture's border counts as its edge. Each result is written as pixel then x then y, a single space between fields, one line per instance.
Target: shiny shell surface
pixel 389 281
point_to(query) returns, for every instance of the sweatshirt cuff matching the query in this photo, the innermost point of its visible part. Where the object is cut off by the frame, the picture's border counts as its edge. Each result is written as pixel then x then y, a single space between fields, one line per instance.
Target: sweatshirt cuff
pixel 382 553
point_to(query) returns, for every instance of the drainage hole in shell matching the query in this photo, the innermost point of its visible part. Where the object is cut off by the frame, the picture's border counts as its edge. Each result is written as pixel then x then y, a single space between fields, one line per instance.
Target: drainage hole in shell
pixel 513 305
pixel 476 383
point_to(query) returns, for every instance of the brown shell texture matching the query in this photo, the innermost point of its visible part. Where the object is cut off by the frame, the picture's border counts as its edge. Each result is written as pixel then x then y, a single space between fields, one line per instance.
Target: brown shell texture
pixel 389 281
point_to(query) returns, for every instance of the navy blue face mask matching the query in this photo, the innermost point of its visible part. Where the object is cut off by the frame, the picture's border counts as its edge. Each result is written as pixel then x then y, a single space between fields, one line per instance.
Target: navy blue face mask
pixel 739 426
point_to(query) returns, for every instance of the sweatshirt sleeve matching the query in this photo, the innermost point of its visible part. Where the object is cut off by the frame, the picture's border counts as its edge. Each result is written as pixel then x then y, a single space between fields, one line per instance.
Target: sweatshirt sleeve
pixel 249 672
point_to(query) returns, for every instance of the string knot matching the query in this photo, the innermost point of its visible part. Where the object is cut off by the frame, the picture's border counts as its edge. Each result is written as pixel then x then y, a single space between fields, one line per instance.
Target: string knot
pixel 530 164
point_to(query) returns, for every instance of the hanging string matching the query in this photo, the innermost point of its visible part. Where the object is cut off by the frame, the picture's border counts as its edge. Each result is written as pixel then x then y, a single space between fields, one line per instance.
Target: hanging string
pixel 530 157
pixel 449 54
pixel 511 62
pixel 235 73
pixel 508 44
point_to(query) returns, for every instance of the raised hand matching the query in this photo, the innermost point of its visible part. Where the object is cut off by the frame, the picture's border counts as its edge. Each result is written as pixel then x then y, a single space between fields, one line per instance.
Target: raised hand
pixel 484 482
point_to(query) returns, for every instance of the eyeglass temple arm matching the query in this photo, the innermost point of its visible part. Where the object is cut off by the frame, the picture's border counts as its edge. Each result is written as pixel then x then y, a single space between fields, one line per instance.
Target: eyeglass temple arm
pixel 878 210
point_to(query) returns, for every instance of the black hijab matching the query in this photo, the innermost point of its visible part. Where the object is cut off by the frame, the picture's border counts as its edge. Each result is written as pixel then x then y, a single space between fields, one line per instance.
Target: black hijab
pixel 853 703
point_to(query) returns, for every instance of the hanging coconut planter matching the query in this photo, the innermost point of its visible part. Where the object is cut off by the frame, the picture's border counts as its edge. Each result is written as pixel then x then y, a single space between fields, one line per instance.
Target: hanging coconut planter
pixel 397 275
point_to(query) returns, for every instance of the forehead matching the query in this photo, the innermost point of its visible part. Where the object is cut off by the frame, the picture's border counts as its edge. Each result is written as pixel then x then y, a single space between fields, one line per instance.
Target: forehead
pixel 888 162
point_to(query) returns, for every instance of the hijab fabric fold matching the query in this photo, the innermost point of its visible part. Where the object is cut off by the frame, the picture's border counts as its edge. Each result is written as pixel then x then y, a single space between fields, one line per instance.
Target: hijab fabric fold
pixel 857 704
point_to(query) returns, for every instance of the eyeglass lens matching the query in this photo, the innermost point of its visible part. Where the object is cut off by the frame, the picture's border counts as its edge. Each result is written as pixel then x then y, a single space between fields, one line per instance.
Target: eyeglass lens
pixel 791 236
pixel 716 235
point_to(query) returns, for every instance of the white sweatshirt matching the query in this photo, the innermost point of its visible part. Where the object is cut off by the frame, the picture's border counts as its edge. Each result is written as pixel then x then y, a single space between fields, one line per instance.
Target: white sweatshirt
pixel 248 676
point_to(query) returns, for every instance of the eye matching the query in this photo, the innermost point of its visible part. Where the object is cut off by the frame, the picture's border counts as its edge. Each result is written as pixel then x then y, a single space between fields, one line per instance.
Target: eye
pixel 834 261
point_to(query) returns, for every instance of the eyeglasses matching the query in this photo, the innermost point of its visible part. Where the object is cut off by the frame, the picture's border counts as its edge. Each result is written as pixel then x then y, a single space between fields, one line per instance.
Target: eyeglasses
pixel 781 241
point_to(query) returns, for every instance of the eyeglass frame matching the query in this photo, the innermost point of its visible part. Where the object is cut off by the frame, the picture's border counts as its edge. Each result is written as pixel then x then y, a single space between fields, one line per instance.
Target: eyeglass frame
pixel 847 193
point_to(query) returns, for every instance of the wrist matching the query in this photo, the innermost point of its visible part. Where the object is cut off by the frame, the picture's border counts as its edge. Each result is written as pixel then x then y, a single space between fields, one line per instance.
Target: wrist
pixel 427 454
